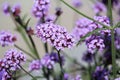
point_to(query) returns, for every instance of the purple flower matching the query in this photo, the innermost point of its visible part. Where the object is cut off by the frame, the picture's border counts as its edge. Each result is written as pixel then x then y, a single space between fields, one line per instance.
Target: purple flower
pixel 81 28
pixel 66 76
pixel 88 57
pixel 12 60
pixel 47 62
pixel 6 76
pixel 117 78
pixel 6 8
pixel 56 35
pixel 76 3
pixel 40 8
pixel 16 9
pixel 99 7
pixel 95 43
pixel 1 74
pixel 54 57
pixel 6 38
pixel 100 74
pixel 35 65
pixel 78 77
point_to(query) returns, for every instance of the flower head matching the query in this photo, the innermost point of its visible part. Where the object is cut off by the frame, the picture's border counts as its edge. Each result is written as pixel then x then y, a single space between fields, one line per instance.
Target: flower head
pixel 56 35
pixel 16 9
pixel 99 7
pixel 12 60
pixel 47 62
pixel 76 3
pixel 35 65
pixel 40 8
pixel 100 74
pixel 7 38
pixel 6 8
pixel 95 42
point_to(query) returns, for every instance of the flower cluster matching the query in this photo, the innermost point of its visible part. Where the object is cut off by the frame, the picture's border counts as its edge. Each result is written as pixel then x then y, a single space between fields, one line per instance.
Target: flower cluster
pixel 100 73
pixel 16 9
pixel 40 8
pixel 56 35
pixel 84 26
pixel 99 7
pixel 76 3
pixel 35 65
pixel 48 61
pixel 7 38
pixel 11 62
pixel 95 42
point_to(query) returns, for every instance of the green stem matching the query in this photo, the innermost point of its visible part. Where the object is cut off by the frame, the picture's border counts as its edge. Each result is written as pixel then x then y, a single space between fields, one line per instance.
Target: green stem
pixel 25 51
pixel 27 73
pixel 46 47
pixel 109 13
pixel 60 62
pixel 84 15
pixel 113 54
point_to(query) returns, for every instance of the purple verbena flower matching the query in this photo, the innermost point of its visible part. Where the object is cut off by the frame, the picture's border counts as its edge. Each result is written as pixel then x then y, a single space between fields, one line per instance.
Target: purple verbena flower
pixel 6 76
pixel 66 76
pixel 54 57
pixel 7 38
pixel 16 10
pixel 100 74
pixel 6 8
pixel 95 43
pixel 88 57
pixel 12 60
pixel 40 8
pixel 76 3
pixel 99 7
pixel 35 65
pixel 56 35
pixel 47 62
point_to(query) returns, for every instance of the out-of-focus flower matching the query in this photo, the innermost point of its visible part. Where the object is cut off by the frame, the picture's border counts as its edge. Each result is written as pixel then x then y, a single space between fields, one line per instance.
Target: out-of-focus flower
pixel 58 12
pixel 56 35
pixel 95 43
pixel 66 76
pixel 30 31
pixel 6 8
pixel 106 1
pixel 35 65
pixel 6 76
pixel 76 3
pixel 16 10
pixel 88 57
pixel 50 18
pixel 54 57
pixel 7 38
pixel 81 28
pixel 99 7
pixel 78 77
pixel 117 78
pixel 47 62
pixel 84 26
pixel 40 8
pixel 100 74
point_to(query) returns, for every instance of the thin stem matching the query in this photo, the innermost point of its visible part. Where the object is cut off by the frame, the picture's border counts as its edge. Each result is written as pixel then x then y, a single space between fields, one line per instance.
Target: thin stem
pixel 110 12
pixel 46 47
pixel 113 54
pixel 60 62
pixel 25 51
pixel 89 71
pixel 27 73
pixel 85 15
pixel 34 46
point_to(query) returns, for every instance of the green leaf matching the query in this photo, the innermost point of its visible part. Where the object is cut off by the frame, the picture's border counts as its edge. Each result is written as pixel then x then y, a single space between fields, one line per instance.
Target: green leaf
pixel 90 33
pixel 26 24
